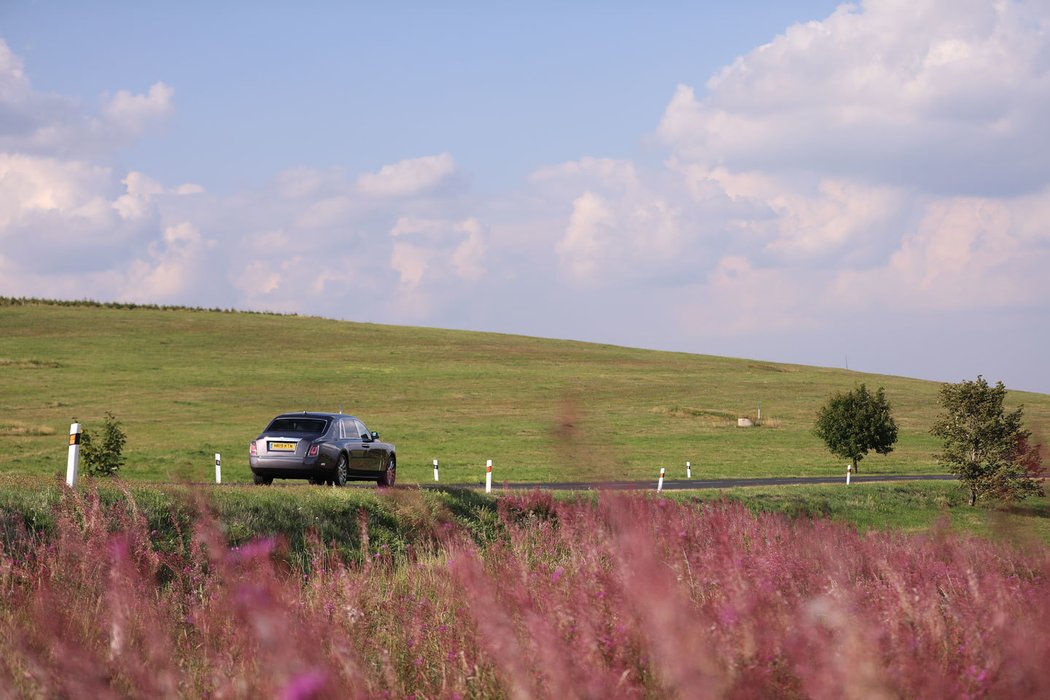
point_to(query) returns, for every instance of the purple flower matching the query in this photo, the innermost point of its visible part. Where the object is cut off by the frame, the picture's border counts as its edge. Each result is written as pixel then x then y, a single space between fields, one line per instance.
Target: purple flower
pixel 305 685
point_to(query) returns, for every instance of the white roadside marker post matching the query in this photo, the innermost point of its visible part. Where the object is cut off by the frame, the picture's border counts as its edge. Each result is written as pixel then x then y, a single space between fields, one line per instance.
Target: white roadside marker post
pixel 688 470
pixel 73 460
pixel 849 472
pixel 660 483
pixel 488 476
pixel 218 468
pixel 435 470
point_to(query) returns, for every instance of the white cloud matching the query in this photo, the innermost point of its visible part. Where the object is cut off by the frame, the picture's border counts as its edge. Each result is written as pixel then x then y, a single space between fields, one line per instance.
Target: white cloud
pixel 301 182
pixel 438 249
pixel 943 95
pixel 468 257
pixel 409 178
pixel 587 236
pixel 133 112
pixel 32 122
pixel 176 269
pixel 851 220
pixel 32 186
pixel 325 213
pixel 141 191
pixel 629 224
pixel 611 174
pixel 258 279
pixel 411 263
pixel 966 253
pixel 740 299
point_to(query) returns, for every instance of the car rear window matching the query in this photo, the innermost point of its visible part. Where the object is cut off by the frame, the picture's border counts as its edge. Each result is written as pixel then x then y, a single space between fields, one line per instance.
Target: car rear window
pixel 297 425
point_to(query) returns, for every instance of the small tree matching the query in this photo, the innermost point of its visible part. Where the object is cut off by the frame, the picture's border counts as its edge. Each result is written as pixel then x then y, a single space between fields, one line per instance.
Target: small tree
pixel 106 457
pixel 986 447
pixel 855 422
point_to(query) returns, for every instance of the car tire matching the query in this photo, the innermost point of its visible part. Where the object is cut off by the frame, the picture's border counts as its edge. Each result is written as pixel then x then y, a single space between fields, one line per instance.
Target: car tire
pixel 390 473
pixel 340 475
pixel 262 480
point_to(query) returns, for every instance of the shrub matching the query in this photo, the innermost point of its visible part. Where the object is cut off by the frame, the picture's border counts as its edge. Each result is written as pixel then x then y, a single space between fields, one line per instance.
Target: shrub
pixel 105 457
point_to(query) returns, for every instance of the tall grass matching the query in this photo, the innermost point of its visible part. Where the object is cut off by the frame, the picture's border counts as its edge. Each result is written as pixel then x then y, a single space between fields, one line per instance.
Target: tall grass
pixel 631 596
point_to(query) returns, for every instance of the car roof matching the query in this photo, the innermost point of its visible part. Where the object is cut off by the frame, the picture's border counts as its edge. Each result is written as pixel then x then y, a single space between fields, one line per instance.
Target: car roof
pixel 313 414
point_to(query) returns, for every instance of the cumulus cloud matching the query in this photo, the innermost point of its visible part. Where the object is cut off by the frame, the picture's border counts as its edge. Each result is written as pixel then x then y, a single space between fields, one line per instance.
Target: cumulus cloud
pixel 67 220
pixel 408 178
pixel 944 96
pixel 64 216
pixel 738 298
pixel 31 185
pixel 437 250
pixel 32 122
pixel 966 253
pixel 625 221
pixel 176 268
pixel 133 112
pixel 587 236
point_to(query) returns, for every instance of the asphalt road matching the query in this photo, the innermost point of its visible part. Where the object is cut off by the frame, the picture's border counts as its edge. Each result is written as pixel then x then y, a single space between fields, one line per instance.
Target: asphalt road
pixel 687 484
pixel 669 484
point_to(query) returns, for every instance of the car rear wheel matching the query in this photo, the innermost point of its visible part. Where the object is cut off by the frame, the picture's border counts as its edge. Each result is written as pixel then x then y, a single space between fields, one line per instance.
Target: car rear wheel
pixel 262 480
pixel 339 478
pixel 389 474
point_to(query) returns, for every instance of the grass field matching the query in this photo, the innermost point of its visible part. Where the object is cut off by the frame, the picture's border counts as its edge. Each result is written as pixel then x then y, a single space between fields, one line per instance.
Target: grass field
pixel 186 384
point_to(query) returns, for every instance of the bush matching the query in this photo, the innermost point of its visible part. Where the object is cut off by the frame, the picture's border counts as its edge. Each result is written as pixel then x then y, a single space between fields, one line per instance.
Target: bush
pixel 106 457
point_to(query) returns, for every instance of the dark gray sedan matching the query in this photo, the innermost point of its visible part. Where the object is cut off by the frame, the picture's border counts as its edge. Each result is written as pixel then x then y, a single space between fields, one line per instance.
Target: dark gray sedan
pixel 326 448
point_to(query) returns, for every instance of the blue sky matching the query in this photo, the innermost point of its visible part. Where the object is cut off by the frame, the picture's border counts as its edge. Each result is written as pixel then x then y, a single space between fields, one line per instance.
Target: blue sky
pixel 791 181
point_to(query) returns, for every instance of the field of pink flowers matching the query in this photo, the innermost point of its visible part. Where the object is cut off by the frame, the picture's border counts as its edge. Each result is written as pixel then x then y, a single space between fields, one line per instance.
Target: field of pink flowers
pixel 629 596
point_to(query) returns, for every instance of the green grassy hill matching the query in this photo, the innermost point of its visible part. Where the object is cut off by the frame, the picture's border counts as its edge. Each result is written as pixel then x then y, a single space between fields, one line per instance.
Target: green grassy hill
pixel 187 383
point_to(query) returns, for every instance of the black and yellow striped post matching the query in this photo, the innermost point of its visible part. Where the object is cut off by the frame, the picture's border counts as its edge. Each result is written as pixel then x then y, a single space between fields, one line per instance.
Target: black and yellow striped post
pixel 73 460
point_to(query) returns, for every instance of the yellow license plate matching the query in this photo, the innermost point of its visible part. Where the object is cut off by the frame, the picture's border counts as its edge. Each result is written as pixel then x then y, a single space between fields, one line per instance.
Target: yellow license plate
pixel 282 447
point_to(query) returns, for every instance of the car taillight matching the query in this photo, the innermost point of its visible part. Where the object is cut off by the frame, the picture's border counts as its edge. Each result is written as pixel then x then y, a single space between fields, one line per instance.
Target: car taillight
pixel 252 450
pixel 313 450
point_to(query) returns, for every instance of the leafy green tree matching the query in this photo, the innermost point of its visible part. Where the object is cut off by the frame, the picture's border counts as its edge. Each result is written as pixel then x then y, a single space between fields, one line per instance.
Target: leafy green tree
pixel 986 447
pixel 106 457
pixel 853 423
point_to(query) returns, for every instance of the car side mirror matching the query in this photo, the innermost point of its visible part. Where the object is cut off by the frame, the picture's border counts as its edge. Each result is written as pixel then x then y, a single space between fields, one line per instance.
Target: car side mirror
pixel 375 435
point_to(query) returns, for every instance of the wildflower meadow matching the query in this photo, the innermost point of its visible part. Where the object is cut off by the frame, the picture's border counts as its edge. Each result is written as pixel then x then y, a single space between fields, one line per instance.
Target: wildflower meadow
pixel 615 596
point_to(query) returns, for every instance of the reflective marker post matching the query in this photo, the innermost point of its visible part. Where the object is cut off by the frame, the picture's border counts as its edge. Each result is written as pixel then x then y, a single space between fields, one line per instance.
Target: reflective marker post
pixel 218 468
pixel 73 460
pixel 849 472
pixel 688 470
pixel 488 476
pixel 435 470
pixel 660 483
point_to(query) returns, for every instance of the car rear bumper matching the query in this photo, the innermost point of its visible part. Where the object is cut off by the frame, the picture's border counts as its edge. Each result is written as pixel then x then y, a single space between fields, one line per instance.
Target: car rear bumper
pixel 293 466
